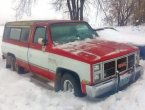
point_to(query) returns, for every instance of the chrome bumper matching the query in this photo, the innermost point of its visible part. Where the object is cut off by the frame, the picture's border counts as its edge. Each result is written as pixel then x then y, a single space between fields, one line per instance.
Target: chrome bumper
pixel 113 84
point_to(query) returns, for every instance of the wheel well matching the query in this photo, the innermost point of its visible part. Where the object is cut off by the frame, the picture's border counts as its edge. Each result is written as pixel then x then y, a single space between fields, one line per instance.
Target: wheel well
pixel 10 54
pixel 59 74
pixel 63 71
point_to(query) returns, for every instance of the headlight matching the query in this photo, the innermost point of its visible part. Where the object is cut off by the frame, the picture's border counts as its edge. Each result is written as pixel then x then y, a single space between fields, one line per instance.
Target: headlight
pixel 96 68
pixel 97 73
pixel 97 77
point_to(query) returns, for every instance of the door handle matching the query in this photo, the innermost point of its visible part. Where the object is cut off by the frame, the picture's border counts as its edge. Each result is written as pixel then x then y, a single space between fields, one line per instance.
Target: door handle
pixel 32 46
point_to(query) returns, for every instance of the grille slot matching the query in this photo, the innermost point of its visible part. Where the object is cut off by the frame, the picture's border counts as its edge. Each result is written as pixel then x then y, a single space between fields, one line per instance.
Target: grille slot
pixel 109 69
pixel 131 61
pixel 122 64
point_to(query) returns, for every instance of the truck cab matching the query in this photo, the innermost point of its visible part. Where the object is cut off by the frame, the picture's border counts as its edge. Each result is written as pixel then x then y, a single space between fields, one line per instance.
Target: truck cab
pixel 70 54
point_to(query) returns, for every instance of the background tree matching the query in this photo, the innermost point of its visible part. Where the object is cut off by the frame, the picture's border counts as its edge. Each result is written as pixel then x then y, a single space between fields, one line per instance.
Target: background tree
pixel 23 6
pixel 75 8
pixel 120 11
pixel 116 12
pixel 139 12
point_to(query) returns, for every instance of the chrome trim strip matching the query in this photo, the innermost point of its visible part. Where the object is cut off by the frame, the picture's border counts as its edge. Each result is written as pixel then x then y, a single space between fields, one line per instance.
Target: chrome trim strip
pixel 100 89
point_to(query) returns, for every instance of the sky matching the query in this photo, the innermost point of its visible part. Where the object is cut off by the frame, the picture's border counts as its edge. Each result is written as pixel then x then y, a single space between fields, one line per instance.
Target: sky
pixel 6 11
pixel 40 10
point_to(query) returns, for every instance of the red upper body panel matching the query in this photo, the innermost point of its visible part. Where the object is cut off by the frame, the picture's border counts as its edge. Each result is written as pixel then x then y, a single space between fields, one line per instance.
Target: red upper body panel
pixel 90 51
pixel 94 50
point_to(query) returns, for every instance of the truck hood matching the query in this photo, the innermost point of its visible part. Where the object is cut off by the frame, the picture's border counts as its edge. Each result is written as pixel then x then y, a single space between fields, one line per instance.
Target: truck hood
pixel 95 50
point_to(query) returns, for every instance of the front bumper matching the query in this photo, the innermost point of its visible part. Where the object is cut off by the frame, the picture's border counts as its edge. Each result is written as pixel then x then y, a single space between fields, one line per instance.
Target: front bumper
pixel 115 83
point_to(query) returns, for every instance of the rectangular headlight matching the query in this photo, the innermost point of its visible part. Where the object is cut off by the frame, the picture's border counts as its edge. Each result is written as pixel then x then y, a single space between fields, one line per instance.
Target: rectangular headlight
pixel 96 72
pixel 97 77
pixel 96 67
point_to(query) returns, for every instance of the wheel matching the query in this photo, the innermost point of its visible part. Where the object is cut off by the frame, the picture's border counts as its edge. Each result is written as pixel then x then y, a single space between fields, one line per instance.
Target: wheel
pixel 3 57
pixel 8 60
pixel 20 70
pixel 13 63
pixel 71 84
pixel 14 66
pixel 17 68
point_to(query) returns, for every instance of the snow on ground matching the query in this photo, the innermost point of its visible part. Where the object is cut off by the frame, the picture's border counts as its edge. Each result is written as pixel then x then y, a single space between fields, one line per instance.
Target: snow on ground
pixel 136 31
pixel 126 34
pixel 17 92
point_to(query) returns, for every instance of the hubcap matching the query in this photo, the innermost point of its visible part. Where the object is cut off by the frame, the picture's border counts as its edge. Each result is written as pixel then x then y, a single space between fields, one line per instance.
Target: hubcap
pixel 68 86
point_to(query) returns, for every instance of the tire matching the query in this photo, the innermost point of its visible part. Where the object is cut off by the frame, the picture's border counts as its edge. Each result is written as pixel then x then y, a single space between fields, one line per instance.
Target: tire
pixel 19 69
pixel 14 66
pixel 8 60
pixel 13 63
pixel 3 57
pixel 75 83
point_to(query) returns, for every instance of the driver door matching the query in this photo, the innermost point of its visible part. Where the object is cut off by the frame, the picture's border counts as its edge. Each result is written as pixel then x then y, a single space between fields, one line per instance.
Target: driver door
pixel 37 56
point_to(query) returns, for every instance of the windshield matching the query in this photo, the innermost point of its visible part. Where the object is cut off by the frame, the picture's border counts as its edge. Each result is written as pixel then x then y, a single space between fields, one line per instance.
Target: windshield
pixel 69 32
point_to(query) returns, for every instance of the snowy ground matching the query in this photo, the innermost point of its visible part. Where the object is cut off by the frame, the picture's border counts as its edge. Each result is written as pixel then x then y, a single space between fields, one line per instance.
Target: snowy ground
pixel 126 34
pixel 17 92
pixel 136 31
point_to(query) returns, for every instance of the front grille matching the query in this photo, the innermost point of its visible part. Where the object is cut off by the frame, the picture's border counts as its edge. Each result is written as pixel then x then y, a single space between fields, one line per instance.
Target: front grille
pixel 109 69
pixel 131 61
pixel 120 65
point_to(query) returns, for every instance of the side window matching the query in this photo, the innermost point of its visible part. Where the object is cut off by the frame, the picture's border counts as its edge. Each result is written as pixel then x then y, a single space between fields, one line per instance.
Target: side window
pixel 7 32
pixel 15 33
pixel 25 34
pixel 40 32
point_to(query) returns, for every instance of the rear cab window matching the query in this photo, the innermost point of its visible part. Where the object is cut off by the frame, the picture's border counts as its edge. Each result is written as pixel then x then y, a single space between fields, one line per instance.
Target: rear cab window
pixel 25 34
pixel 16 33
pixel 6 34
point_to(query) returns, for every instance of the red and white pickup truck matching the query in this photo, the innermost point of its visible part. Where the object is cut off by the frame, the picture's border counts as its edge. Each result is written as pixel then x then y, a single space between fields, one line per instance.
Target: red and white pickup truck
pixel 70 54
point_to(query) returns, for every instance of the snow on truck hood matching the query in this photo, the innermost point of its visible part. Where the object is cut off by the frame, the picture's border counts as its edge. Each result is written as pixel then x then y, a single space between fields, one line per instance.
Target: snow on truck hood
pixel 97 49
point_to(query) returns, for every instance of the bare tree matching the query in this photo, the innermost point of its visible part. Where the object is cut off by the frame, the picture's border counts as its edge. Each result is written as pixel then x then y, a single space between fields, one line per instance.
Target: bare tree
pixel 120 11
pixel 139 12
pixel 100 6
pixel 75 7
pixel 23 6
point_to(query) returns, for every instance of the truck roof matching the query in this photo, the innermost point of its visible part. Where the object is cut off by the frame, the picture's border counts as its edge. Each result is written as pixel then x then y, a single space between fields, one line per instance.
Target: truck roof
pixel 30 23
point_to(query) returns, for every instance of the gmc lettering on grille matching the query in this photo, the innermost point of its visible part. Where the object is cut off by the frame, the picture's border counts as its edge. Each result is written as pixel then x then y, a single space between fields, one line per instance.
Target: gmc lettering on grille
pixel 122 65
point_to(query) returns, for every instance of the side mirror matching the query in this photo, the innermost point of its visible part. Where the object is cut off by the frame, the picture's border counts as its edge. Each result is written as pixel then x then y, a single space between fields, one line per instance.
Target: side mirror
pixel 42 41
